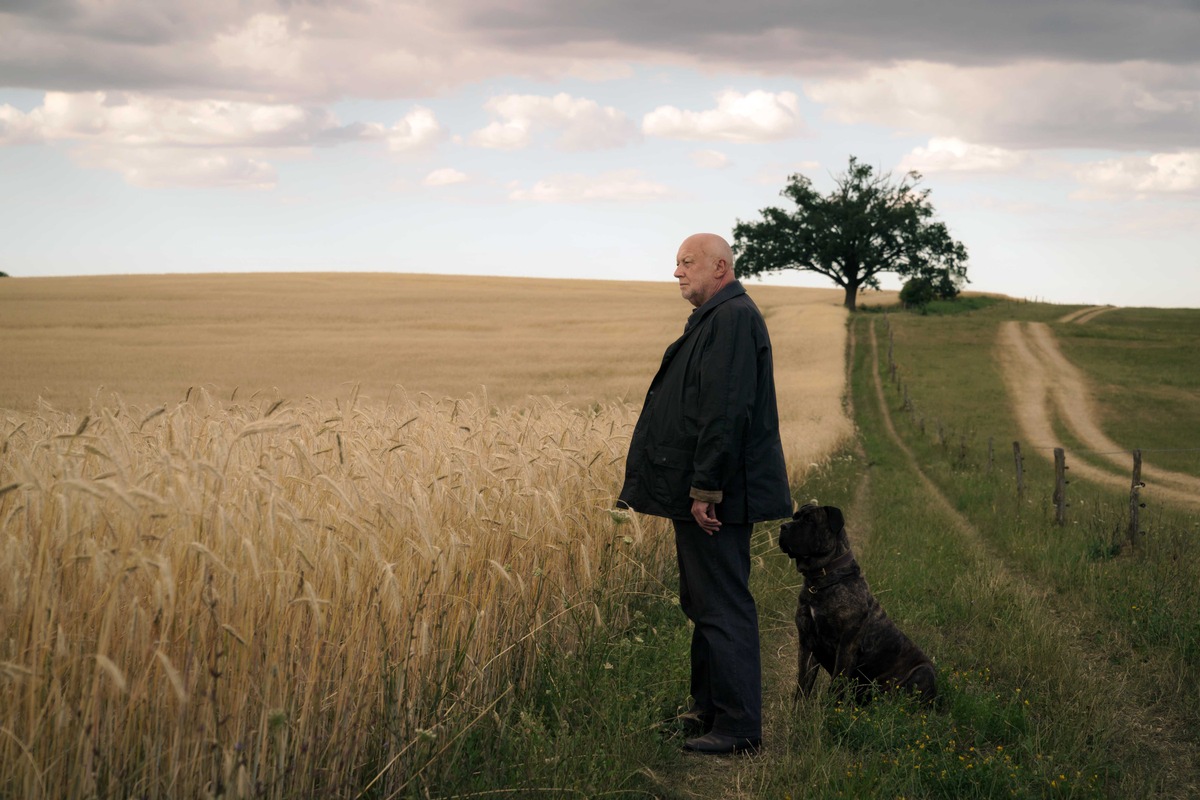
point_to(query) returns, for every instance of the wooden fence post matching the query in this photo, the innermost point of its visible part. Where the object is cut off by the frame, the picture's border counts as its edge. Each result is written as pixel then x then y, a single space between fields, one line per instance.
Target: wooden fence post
pixel 1020 469
pixel 1135 502
pixel 991 453
pixel 1060 486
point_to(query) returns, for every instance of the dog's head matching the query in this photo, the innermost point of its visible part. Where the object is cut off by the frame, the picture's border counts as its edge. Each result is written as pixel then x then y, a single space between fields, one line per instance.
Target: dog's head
pixel 813 535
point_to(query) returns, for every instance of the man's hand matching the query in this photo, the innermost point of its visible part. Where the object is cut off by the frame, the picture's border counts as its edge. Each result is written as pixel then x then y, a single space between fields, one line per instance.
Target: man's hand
pixel 706 516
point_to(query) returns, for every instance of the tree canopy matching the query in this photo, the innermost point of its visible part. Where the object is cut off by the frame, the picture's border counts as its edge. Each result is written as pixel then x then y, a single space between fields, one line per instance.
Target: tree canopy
pixel 869 224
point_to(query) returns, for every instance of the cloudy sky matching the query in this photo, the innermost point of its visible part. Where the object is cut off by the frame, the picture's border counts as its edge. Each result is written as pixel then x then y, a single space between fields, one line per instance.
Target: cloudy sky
pixel 586 138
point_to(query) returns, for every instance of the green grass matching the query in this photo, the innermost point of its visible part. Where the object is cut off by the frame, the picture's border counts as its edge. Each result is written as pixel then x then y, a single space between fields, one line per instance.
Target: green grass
pixel 956 385
pixel 588 724
pixel 1135 612
pixel 1144 368
pixel 1068 661
pixel 964 304
pixel 1002 726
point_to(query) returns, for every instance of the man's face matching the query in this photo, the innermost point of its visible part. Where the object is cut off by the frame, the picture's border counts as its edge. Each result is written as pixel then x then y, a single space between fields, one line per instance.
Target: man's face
pixel 697 274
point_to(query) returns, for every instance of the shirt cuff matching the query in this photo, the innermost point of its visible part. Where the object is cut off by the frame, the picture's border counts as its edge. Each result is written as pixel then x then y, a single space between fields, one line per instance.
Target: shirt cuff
pixel 706 496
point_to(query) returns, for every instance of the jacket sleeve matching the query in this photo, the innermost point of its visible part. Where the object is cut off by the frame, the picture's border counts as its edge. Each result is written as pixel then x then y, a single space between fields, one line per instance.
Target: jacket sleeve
pixel 727 391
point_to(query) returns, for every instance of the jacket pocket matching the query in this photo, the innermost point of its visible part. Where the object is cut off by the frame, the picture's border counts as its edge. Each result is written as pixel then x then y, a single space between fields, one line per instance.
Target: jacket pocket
pixel 671 468
pixel 663 456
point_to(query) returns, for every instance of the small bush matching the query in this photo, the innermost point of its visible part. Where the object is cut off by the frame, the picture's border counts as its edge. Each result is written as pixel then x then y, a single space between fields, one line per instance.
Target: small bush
pixel 917 293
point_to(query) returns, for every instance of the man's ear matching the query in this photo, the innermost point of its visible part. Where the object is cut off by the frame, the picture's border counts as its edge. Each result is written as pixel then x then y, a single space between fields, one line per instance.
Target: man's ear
pixel 833 516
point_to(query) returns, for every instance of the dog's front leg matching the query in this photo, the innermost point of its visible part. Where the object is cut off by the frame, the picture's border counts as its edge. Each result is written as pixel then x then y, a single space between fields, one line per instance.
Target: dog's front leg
pixel 806 658
pixel 806 674
pixel 845 672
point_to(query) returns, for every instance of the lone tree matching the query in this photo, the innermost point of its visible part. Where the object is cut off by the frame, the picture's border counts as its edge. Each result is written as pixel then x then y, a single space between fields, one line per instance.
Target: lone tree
pixel 869 224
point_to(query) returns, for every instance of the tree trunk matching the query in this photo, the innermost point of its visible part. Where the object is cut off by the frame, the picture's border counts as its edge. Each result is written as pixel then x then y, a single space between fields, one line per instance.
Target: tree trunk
pixel 851 303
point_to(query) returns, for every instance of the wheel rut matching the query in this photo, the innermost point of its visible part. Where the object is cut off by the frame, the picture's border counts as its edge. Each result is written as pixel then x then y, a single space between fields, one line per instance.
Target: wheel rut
pixel 1086 315
pixel 1043 385
pixel 1161 734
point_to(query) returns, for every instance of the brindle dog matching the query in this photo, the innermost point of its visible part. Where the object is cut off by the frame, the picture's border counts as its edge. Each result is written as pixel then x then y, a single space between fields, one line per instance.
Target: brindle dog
pixel 841 625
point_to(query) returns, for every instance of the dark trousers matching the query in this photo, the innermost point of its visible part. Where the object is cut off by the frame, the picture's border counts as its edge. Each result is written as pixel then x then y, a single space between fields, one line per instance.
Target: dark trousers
pixel 714 591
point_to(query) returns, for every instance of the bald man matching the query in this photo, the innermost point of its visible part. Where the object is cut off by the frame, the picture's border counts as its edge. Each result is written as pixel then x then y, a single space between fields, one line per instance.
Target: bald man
pixel 706 454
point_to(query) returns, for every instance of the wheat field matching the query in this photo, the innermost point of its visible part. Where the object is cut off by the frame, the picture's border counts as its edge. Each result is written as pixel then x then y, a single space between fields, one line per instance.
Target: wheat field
pixel 313 528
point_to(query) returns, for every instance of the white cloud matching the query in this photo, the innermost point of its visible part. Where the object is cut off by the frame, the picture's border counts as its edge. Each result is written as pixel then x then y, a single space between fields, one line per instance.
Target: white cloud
pixel 915 95
pixel 947 154
pixel 17 127
pixel 263 45
pixel 755 117
pixel 510 134
pixel 419 130
pixel 581 124
pixel 122 119
pixel 172 166
pixel 447 176
pixel 709 159
pixel 1142 176
pixel 159 141
pixel 620 186
pixel 1029 104
pixel 155 140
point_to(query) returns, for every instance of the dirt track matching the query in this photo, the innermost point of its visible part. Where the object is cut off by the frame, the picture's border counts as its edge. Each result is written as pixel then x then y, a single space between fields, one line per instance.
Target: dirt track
pixel 1085 315
pixel 1162 734
pixel 1044 387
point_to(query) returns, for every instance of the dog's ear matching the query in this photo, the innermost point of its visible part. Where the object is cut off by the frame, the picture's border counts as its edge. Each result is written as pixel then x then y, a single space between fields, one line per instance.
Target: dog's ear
pixel 833 516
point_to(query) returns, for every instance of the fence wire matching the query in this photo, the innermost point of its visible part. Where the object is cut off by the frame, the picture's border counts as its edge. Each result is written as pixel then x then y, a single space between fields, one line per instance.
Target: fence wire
pixel 1117 452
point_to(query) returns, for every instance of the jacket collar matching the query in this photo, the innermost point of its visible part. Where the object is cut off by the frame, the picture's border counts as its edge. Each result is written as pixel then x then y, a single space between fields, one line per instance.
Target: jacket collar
pixel 727 292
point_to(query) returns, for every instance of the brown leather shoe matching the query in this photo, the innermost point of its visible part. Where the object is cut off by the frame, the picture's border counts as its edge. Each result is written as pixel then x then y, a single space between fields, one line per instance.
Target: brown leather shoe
pixel 718 744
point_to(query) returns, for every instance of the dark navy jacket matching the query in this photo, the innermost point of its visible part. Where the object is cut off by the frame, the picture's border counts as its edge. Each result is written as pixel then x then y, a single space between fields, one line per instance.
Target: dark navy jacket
pixel 709 427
